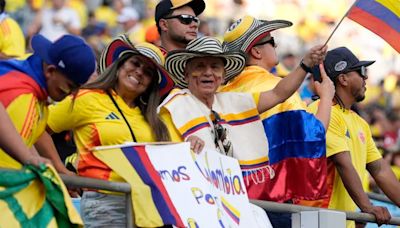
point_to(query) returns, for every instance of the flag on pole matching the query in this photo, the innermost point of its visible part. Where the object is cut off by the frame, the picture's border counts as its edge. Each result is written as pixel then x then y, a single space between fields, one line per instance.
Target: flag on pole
pixel 381 17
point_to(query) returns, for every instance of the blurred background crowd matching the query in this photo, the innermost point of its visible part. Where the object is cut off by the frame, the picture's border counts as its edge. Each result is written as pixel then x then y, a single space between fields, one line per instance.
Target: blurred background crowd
pixel 98 21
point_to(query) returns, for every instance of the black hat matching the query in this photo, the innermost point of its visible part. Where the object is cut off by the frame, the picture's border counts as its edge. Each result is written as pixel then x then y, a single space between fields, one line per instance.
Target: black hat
pixel 341 60
pixel 166 6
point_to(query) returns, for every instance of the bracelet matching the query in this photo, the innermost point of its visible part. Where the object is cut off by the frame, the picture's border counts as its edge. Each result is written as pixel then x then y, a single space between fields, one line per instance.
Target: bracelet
pixel 305 67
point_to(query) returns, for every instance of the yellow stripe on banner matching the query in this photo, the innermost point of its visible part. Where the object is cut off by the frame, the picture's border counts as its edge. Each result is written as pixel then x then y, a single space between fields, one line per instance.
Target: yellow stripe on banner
pixel 253 162
pixel 31 198
pixel 193 123
pixel 146 214
pixel 8 218
pixel 392 5
pixel 240 116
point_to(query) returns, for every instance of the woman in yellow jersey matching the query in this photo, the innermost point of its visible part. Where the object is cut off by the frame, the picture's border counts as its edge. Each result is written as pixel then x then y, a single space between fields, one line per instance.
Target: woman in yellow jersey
pixel 119 106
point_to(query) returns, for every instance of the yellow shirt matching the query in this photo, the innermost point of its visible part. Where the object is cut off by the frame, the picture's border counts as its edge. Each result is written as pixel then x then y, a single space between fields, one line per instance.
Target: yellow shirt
pixel 95 121
pixel 12 40
pixel 396 171
pixel 29 116
pixel 347 132
pixel 256 79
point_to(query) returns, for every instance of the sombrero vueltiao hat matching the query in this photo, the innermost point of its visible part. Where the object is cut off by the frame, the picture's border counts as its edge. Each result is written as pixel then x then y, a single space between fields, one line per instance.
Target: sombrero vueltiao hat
pixel 247 31
pixel 122 45
pixel 204 46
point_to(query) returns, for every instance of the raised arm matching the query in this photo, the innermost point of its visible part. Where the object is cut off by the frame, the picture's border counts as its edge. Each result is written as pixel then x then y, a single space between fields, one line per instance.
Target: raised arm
pixel 326 92
pixel 288 85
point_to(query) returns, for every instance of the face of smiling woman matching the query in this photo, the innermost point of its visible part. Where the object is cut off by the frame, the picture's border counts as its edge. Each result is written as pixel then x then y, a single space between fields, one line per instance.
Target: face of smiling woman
pixel 135 76
pixel 204 75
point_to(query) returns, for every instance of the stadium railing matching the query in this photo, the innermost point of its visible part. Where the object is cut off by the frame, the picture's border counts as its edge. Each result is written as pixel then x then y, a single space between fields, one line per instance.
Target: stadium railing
pixel 83 182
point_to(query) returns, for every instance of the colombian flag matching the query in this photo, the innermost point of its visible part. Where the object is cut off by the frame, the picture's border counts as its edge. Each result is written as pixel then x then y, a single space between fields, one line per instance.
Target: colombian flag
pixel 297 154
pixel 151 203
pixel 33 197
pixel 381 17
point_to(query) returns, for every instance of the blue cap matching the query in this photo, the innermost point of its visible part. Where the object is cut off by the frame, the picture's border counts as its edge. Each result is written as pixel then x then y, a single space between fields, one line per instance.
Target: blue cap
pixel 70 54
pixel 340 60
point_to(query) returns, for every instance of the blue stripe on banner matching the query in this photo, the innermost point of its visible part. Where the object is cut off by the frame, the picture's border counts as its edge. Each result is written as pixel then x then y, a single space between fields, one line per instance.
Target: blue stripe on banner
pixel 134 158
pixel 379 11
pixel 294 134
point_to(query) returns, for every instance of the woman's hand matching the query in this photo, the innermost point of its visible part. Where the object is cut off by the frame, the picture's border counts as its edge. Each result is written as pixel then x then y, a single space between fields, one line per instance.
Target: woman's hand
pixel 196 143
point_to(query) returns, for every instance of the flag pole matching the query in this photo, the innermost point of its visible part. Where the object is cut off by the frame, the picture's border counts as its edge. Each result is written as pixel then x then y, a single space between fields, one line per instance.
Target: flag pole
pixel 334 30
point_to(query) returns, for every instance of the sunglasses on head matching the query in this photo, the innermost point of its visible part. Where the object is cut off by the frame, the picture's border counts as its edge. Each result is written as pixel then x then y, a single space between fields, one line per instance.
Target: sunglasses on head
pixel 220 132
pixel 185 19
pixel 270 41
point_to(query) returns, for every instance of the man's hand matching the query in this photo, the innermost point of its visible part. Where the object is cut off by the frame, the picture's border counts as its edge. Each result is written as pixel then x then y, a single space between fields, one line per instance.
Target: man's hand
pixel 315 55
pixel 381 214
pixel 196 143
pixel 36 160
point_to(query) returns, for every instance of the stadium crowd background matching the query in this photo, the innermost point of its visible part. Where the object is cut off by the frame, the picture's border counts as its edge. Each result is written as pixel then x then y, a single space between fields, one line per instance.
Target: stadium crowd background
pixel 313 21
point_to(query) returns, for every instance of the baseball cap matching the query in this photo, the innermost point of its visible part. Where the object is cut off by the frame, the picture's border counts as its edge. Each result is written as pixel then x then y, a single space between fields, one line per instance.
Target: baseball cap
pixel 341 60
pixel 166 6
pixel 128 13
pixel 70 54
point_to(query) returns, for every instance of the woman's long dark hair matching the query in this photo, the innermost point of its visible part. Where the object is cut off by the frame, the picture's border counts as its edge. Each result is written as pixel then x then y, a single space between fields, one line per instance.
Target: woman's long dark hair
pixel 147 102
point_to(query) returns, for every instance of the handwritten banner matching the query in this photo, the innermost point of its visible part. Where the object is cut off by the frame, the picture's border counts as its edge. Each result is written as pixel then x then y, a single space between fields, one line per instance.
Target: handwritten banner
pixel 207 190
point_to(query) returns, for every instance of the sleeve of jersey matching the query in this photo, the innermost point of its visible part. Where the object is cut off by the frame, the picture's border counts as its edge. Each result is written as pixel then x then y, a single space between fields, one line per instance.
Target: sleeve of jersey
pixel 336 135
pixel 167 119
pixel 372 152
pixel 24 114
pixel 65 115
pixel 11 38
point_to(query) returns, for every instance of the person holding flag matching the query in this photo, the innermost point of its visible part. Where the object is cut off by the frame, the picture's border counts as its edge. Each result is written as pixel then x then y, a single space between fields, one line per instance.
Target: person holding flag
pixel 289 128
pixel 350 147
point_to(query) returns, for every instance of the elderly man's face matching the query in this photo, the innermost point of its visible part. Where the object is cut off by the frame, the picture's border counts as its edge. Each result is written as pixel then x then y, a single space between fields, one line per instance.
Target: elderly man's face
pixel 204 75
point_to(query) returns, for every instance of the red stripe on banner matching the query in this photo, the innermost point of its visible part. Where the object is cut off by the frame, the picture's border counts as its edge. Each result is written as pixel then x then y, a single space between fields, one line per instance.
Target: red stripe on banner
pixel 157 180
pixel 377 26
pixel 287 182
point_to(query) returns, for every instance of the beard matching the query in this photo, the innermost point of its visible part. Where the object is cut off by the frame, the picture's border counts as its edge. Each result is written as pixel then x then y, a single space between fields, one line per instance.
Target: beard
pixel 359 95
pixel 180 39
pixel 360 98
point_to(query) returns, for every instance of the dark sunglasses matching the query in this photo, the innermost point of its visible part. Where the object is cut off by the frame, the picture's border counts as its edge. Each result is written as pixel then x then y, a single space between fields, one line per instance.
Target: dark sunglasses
pixel 185 19
pixel 362 71
pixel 220 132
pixel 270 41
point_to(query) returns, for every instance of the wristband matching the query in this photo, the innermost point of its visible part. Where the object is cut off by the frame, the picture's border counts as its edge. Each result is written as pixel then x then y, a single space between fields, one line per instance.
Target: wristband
pixel 305 67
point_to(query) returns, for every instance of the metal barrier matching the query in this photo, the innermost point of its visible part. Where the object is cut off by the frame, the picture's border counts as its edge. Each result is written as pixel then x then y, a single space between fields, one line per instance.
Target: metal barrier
pixel 281 207
pixel 84 182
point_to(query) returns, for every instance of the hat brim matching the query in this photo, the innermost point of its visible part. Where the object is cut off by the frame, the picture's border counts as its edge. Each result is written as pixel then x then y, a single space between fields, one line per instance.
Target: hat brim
pixel 198 6
pixel 176 63
pixel 362 63
pixel 41 46
pixel 263 30
pixel 121 46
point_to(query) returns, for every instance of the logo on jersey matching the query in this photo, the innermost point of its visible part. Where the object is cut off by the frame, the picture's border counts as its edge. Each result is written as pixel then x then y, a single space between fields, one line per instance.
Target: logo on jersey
pixel 361 136
pixel 112 116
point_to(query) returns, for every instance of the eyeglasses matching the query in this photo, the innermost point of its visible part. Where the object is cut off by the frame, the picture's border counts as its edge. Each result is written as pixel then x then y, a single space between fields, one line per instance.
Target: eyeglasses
pixel 220 133
pixel 362 71
pixel 270 41
pixel 185 19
